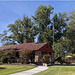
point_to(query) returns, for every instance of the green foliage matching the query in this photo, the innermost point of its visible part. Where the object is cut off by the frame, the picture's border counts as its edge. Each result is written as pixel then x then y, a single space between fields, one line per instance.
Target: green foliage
pixel 5 39
pixel 6 55
pixel 73 56
pixel 1 55
pixel 62 47
pixel 68 54
pixel 72 15
pixel 25 55
pixel 9 53
pixel 60 22
pixel 5 60
pixel 22 29
pixel 42 16
pixel 70 32
pixel 59 50
pixel 46 58
pixel 42 19
pixel 25 28
pixel 66 44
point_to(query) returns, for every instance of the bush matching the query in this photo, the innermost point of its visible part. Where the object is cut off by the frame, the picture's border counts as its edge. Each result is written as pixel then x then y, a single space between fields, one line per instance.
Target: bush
pixel 1 55
pixel 25 55
pixel 73 56
pixel 5 56
pixel 46 58
pixel 5 60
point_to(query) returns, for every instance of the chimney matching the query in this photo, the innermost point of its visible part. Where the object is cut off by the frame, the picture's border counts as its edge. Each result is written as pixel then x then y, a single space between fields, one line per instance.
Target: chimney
pixel 27 41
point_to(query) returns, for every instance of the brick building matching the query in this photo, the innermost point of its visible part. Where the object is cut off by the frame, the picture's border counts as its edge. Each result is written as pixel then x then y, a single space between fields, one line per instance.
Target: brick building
pixel 38 49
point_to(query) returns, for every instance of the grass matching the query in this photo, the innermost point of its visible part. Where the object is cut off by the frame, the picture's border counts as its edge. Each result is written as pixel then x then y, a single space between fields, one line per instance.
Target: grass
pixel 9 69
pixel 58 70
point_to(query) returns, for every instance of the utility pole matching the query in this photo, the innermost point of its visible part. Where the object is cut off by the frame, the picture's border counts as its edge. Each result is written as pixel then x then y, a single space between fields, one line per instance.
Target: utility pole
pixel 53 40
pixel 53 36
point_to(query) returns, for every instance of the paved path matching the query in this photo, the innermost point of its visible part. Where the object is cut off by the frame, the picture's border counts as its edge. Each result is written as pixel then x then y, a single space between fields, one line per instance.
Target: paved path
pixel 31 71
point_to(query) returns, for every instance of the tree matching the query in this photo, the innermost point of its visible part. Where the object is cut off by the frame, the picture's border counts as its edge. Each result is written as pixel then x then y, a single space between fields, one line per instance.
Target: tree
pixel 62 46
pixel 66 45
pixel 5 39
pixel 59 51
pixel 25 55
pixel 60 22
pixel 20 30
pixel 70 32
pixel 42 19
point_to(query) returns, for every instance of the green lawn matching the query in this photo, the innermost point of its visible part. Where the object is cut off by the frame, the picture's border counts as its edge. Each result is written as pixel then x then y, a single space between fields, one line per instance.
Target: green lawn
pixel 9 69
pixel 58 70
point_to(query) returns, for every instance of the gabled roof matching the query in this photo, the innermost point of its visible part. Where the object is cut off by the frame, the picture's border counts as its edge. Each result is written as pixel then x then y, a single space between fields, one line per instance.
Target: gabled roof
pixel 30 46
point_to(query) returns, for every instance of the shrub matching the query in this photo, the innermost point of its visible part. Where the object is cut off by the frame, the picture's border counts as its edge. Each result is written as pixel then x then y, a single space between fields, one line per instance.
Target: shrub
pixel 73 56
pixel 46 58
pixel 1 54
pixel 7 54
pixel 5 60
pixel 25 55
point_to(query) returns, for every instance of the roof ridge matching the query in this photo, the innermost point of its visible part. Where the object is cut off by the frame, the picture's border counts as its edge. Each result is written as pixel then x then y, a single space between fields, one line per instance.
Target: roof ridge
pixel 10 45
pixel 23 44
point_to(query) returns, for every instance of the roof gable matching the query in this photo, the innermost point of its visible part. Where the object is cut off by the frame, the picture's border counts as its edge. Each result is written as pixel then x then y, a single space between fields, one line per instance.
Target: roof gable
pixel 46 48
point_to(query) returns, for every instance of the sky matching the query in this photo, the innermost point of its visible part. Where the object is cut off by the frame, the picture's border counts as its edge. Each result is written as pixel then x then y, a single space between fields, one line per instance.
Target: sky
pixel 12 10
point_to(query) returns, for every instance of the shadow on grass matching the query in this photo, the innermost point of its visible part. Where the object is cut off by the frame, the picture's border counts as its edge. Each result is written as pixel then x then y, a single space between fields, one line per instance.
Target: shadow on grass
pixel 2 68
pixel 63 65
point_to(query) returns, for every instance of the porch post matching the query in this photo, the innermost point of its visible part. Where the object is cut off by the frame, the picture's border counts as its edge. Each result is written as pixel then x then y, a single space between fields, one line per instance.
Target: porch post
pixel 52 56
pixel 38 56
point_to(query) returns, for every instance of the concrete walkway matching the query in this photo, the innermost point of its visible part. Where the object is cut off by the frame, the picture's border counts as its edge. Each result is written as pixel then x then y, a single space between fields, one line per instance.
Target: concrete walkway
pixel 31 71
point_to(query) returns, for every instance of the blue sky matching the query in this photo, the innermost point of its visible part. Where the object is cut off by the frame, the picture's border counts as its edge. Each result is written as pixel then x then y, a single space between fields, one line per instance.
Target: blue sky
pixel 12 10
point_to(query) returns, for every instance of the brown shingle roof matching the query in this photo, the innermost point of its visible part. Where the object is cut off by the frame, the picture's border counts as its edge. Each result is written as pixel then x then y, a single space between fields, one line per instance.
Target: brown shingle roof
pixel 30 46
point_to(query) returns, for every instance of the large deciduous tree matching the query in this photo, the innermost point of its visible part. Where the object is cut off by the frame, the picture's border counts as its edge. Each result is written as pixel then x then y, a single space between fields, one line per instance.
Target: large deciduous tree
pixel 42 19
pixel 61 45
pixel 64 35
pixel 58 48
pixel 45 23
pixel 60 22
pixel 5 39
pixel 19 31
pixel 70 32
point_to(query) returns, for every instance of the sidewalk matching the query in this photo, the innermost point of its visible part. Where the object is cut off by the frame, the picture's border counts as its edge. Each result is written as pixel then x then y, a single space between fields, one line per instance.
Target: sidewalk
pixel 31 71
